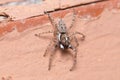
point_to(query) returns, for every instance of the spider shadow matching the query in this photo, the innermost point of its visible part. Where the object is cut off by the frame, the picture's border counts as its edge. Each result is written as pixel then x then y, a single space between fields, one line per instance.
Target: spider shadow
pixel 66 52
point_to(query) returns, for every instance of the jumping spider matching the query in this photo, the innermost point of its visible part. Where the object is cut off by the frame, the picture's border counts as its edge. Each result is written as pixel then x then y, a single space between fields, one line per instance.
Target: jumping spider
pixel 62 38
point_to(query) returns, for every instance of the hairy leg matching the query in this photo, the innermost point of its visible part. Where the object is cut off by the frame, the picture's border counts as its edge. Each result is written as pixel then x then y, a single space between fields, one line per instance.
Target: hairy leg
pixel 74 58
pixel 83 36
pixel 73 20
pixel 38 35
pixel 73 38
pixel 47 48
pixel 77 43
pixel 51 57
pixel 51 20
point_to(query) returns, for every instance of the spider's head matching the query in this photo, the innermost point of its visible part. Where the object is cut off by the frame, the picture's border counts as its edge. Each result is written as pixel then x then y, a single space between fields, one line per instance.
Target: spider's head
pixel 61 26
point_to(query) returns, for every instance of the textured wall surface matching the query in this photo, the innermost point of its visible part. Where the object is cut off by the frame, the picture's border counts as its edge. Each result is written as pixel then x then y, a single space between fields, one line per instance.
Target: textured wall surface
pixel 21 53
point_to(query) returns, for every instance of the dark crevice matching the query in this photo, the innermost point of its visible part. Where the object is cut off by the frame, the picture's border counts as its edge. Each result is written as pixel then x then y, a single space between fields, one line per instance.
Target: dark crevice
pixel 70 7
pixel 58 9
pixel 84 4
pixel 3 16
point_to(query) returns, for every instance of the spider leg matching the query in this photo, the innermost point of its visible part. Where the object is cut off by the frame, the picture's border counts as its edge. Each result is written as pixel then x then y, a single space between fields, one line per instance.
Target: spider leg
pixel 38 35
pixel 51 20
pixel 74 58
pixel 47 48
pixel 51 57
pixel 83 36
pixel 77 43
pixel 73 20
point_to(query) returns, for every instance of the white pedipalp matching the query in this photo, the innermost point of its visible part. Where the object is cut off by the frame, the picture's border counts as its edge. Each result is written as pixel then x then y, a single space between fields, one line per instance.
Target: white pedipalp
pixel 61 46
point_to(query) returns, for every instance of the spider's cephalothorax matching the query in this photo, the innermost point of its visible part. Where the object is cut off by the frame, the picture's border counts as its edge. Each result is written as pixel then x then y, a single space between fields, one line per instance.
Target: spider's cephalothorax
pixel 62 39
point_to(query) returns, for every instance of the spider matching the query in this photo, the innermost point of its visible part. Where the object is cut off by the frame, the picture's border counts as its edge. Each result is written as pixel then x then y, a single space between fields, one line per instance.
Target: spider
pixel 62 39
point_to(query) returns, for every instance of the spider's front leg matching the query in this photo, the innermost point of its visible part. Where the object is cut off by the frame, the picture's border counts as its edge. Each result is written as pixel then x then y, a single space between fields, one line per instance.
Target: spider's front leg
pixel 54 24
pixel 73 20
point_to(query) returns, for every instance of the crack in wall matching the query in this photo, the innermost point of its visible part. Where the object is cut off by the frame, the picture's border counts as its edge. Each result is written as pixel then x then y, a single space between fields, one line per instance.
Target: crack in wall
pixel 78 5
pixel 4 17
pixel 84 4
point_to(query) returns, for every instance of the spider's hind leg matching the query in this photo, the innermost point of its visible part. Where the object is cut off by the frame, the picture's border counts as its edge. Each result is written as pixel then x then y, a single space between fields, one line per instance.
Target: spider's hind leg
pixel 51 57
pixel 74 58
pixel 47 48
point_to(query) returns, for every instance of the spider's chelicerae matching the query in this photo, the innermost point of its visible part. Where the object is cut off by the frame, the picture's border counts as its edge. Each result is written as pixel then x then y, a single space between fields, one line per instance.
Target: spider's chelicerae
pixel 62 38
